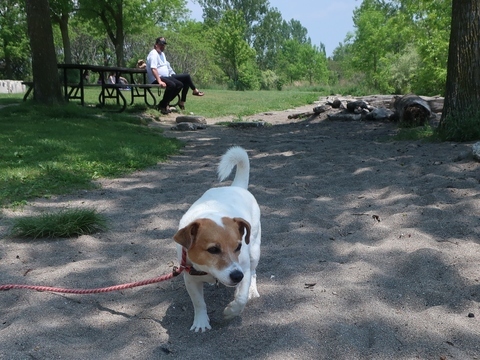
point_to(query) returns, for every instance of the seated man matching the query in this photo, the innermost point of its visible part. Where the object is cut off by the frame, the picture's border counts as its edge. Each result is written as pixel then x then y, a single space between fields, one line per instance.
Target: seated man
pixel 158 73
pixel 186 79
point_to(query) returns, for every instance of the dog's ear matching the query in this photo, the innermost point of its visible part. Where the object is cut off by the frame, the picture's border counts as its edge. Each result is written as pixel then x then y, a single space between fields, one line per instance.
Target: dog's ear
pixel 187 235
pixel 242 226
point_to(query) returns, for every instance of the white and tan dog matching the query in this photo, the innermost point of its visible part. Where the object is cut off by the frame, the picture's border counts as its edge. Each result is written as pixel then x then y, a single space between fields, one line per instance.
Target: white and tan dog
pixel 221 235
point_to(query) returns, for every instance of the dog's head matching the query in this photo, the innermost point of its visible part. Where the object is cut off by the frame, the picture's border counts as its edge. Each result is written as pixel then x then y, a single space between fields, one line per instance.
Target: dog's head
pixel 215 248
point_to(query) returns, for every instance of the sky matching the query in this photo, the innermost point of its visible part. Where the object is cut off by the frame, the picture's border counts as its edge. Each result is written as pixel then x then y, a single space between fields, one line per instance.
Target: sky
pixel 326 21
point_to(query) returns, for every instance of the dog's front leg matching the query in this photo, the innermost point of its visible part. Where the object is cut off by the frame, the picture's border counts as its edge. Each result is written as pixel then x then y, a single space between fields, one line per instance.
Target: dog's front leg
pixel 241 297
pixel 195 290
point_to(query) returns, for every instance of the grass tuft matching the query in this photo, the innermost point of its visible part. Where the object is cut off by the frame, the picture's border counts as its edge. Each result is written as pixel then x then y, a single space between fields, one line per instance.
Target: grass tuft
pixel 425 133
pixel 67 223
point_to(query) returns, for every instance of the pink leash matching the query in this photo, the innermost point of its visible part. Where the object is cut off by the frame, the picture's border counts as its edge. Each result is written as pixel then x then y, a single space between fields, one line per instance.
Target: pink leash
pixel 176 271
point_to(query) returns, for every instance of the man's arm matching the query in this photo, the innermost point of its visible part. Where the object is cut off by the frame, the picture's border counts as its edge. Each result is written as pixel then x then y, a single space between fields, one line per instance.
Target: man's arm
pixel 157 77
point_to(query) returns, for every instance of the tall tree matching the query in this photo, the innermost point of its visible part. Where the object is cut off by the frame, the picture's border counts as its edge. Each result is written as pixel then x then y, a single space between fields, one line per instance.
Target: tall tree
pixel 253 12
pixel 44 62
pixel 230 47
pixel 117 18
pixel 60 12
pixel 372 37
pixel 298 32
pixel 461 113
pixel 268 39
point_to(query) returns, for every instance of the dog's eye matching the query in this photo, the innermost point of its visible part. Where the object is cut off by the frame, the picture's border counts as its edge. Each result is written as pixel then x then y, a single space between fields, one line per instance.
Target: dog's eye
pixel 239 247
pixel 214 250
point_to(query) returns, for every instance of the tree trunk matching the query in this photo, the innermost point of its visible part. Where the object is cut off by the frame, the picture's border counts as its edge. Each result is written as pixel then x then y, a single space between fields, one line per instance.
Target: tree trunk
pixel 462 97
pixel 44 63
pixel 67 49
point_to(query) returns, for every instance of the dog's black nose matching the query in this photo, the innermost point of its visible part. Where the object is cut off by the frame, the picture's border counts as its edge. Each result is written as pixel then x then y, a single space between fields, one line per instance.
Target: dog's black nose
pixel 236 276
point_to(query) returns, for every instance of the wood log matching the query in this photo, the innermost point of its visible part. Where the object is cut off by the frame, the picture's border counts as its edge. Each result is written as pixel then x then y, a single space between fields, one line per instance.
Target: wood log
pixel 412 110
pixel 435 103
pixel 316 110
pixel 301 115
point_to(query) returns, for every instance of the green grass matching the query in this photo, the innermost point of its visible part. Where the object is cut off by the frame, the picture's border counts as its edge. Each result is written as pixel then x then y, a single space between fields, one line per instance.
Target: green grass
pixel 219 103
pixel 54 150
pixel 8 99
pixel 47 151
pixel 67 223
pixel 425 133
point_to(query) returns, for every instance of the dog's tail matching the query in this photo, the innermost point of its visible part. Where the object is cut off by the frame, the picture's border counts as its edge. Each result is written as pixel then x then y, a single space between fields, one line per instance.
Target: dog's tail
pixel 235 156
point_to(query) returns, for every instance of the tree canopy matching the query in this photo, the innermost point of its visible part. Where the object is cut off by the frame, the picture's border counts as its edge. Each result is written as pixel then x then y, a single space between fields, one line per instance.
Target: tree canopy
pixel 397 46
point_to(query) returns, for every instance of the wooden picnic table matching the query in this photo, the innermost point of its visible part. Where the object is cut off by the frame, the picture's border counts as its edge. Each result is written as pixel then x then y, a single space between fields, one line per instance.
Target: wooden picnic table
pixel 108 90
pixel 75 90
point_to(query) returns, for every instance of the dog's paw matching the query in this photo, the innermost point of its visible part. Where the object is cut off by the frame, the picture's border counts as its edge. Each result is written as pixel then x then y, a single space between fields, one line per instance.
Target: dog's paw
pixel 233 309
pixel 201 323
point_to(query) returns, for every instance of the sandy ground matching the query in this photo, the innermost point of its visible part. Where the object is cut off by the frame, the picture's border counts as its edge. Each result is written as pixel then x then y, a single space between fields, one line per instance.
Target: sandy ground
pixel 370 250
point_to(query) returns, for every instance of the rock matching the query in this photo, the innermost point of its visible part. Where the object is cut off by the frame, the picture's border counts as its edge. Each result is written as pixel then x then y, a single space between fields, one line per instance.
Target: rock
pixel 188 126
pixel 464 155
pixel 379 114
pixel 245 124
pixel 322 108
pixel 357 106
pixel 190 119
pixel 476 151
pixel 345 117
pixel 336 104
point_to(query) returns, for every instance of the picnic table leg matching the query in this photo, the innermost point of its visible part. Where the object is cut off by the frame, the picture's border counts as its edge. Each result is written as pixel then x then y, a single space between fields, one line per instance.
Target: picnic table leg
pixel 148 93
pixel 118 96
pixel 124 101
pixel 65 85
pixel 29 90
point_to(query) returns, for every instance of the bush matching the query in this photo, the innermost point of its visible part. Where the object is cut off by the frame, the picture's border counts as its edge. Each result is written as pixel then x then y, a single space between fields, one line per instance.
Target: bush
pixel 248 77
pixel 270 80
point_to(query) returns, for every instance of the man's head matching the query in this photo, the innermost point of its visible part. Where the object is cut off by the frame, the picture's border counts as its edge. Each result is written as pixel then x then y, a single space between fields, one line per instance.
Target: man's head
pixel 160 43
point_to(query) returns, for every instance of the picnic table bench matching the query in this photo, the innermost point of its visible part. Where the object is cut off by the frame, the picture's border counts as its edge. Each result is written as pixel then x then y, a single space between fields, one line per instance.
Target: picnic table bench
pixel 76 90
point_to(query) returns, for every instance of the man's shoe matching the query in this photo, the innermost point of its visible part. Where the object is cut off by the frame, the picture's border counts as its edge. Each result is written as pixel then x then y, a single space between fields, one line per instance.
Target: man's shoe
pixel 164 111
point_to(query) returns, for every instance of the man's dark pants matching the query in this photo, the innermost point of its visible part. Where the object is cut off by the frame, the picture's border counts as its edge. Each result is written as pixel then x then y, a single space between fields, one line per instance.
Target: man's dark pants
pixel 173 88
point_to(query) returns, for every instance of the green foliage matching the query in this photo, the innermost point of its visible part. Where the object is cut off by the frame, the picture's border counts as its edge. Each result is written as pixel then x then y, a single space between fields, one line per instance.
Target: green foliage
pixel 270 81
pixel 252 13
pixel 397 46
pixel 268 39
pixel 232 51
pixel 54 150
pixel 400 72
pixel 300 61
pixel 400 45
pixel 188 52
pixel 67 223
pixel 248 77
pixel 14 45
